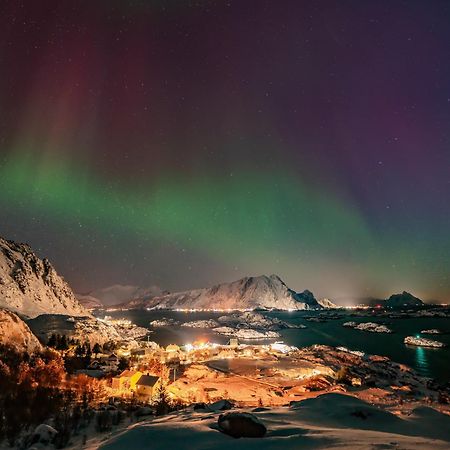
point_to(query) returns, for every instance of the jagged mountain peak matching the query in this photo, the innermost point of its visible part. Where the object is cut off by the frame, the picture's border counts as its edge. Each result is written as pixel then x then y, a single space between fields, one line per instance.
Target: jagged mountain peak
pixel 253 292
pixel 30 286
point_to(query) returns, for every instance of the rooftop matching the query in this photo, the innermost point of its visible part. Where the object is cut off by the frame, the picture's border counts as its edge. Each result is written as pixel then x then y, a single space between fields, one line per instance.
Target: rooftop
pixel 127 373
pixel 147 380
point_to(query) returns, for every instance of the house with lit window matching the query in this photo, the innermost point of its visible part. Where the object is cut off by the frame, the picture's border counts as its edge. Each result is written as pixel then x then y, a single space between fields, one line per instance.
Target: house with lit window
pixel 110 364
pixel 147 386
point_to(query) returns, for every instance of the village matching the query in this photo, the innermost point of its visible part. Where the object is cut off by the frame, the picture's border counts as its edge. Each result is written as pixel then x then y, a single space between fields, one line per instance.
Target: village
pixel 195 372
pixel 247 375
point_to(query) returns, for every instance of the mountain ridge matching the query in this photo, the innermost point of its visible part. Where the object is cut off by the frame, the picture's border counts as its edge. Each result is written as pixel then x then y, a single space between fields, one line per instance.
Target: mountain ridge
pixel 396 301
pixel 255 292
pixel 117 294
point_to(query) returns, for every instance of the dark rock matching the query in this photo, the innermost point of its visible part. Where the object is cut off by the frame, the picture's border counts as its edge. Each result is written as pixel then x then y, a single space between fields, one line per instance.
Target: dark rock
pixel 361 414
pixel 403 300
pixel 308 298
pixel 238 425
pixel 220 405
pixel 144 411
pixel 199 406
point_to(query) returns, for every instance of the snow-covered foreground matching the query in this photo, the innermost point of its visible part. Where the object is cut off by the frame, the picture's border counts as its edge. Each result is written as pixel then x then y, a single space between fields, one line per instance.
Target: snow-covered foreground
pixel 325 422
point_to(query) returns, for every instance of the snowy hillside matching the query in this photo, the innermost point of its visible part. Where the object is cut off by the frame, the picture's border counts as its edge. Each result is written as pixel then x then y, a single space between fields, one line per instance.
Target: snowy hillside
pixel 330 421
pixel 86 329
pixel 30 286
pixel 267 292
pixel 15 332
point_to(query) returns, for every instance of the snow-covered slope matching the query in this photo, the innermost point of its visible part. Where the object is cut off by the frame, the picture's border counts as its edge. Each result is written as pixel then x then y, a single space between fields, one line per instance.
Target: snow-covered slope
pixel 268 292
pixel 330 421
pixel 30 286
pixel 85 329
pixel 119 293
pixel 327 303
pixel 15 332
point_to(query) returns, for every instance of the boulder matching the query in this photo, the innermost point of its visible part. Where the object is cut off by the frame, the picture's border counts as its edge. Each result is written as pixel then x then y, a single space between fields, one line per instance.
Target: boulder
pixel 220 405
pixel 237 424
pixel 44 433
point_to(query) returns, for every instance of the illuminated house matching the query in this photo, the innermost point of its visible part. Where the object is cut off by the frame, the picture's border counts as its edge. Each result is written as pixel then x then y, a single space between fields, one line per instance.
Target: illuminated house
pixel 147 385
pixel 126 381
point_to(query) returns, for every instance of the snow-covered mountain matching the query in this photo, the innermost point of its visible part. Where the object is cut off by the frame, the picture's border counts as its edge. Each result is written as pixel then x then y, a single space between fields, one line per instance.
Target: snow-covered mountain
pixel 327 303
pixel 15 332
pixel 266 292
pixel 89 302
pixel 119 293
pixel 30 286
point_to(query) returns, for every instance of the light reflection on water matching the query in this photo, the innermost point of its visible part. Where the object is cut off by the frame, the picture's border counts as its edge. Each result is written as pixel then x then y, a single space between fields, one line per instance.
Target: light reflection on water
pixel 421 359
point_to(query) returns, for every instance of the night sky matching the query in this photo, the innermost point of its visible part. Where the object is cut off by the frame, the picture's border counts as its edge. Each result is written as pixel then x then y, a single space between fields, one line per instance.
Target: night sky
pixel 184 143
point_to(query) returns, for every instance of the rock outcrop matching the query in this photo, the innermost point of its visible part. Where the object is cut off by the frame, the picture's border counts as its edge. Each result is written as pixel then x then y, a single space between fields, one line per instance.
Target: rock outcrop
pixel 241 424
pixel 15 332
pixel 307 297
pixel 30 286
pixel 86 329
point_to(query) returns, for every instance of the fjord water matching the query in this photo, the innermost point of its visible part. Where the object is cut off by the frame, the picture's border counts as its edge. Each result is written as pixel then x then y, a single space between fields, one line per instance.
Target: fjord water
pixel 434 363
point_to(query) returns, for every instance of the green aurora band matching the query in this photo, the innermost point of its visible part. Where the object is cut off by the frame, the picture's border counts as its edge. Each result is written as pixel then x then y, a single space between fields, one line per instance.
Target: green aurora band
pixel 242 218
pixel 221 214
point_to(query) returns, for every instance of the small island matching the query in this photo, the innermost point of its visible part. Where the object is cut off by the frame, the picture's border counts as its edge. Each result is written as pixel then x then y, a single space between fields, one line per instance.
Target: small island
pixel 423 342
pixel 371 327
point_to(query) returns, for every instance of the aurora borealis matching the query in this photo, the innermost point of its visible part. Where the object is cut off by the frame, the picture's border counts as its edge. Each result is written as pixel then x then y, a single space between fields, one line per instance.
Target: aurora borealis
pixel 183 143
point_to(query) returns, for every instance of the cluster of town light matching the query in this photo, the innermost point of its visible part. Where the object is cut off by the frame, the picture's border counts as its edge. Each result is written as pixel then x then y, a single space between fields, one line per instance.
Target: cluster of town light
pixel 194 310
pixel 199 345
pixel 121 322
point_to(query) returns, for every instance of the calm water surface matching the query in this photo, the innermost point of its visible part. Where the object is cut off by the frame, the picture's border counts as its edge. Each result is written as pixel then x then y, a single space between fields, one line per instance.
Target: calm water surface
pixel 427 362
